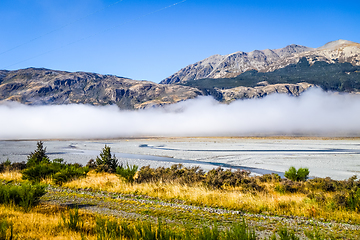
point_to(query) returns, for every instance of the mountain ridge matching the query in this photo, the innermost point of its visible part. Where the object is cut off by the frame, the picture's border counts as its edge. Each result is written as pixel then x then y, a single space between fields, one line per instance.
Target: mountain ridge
pixel 40 86
pixel 234 64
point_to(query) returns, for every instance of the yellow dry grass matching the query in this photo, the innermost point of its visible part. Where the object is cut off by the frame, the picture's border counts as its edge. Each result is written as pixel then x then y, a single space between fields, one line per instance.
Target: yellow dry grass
pixel 11 176
pixel 269 202
pixel 41 223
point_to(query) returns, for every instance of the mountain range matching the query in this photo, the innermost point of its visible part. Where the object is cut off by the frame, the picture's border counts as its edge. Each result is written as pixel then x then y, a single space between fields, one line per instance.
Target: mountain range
pixel 232 65
pixel 291 70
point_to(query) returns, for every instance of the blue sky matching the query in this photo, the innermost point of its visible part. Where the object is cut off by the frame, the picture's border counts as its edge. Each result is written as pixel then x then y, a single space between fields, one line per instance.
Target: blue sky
pixel 132 38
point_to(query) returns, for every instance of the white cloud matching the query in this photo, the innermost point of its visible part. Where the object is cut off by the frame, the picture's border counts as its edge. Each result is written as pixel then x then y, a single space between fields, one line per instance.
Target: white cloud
pixel 313 113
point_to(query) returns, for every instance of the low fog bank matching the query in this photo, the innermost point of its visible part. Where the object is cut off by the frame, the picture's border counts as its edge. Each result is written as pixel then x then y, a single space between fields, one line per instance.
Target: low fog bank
pixel 314 113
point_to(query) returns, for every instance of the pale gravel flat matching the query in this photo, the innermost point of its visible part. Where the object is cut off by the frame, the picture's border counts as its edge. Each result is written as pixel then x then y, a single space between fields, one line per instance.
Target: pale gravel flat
pixel 338 159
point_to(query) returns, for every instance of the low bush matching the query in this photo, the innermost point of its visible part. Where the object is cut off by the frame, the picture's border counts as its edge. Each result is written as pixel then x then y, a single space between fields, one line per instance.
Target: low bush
pixel 39 167
pixel 297 175
pixel 91 164
pixel 127 172
pixel 288 186
pixel 270 178
pixel 24 195
pixel 9 166
pixel 323 184
pixel 57 170
pixel 39 172
pixel 216 178
pixel 176 173
pixel 69 173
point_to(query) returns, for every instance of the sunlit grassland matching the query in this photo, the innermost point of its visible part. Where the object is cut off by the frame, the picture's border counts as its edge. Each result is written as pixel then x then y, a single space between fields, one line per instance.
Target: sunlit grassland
pixel 11 176
pixel 43 223
pixel 265 202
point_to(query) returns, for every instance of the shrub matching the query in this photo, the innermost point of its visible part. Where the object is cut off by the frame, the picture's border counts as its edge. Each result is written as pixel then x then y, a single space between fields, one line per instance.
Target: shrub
pixel 91 164
pixel 340 199
pixel 273 177
pixel 218 178
pixel 24 195
pixel 288 186
pixel 324 184
pixel 127 172
pixel 215 178
pixel 8 166
pixel 69 173
pixel 176 173
pixel 39 172
pixel 58 170
pixel 297 175
pixel 106 162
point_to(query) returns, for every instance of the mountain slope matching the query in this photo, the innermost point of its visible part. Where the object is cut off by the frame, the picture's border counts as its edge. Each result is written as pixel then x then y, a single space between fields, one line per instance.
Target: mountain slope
pixel 44 86
pixel 48 87
pixel 342 77
pixel 234 64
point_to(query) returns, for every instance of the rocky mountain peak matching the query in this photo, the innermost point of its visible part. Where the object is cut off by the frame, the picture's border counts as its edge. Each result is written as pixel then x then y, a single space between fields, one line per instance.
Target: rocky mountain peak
pixel 336 44
pixel 291 49
pixel 267 60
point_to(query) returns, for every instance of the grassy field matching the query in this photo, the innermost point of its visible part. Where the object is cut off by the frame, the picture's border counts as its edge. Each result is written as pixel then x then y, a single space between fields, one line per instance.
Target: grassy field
pixel 52 199
pixel 181 206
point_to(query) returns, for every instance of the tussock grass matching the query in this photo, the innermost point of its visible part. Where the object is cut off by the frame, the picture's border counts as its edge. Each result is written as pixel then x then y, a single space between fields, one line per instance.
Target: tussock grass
pixel 266 202
pixel 41 223
pixel 47 222
pixel 11 176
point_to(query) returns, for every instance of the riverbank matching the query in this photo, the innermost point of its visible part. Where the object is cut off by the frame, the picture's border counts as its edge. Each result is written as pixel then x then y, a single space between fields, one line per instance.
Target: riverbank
pixel 325 157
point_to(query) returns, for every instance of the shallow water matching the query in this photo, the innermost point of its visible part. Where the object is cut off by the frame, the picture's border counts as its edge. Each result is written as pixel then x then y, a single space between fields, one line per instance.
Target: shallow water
pixel 338 159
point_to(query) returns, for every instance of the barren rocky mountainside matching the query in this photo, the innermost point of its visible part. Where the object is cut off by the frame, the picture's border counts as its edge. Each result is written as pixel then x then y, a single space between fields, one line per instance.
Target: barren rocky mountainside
pixel 34 86
pixel 232 65
pixel 43 86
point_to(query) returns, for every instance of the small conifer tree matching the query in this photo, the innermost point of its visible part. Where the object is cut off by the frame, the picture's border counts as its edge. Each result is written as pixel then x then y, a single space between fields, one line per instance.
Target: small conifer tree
pixel 106 162
pixel 38 156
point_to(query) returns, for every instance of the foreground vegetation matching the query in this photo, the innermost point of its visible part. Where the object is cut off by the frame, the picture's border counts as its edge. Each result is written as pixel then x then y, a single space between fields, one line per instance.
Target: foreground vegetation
pixel 186 199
